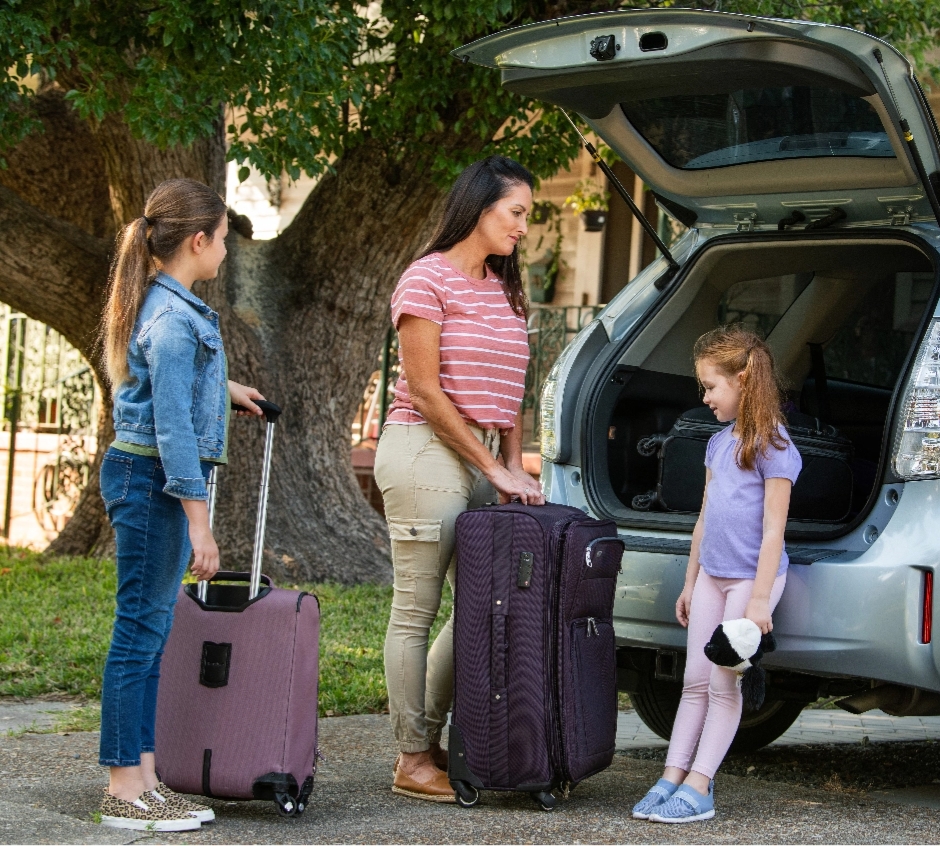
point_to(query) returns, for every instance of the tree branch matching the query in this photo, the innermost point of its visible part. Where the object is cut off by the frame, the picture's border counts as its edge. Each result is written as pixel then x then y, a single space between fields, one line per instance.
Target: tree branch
pixel 52 271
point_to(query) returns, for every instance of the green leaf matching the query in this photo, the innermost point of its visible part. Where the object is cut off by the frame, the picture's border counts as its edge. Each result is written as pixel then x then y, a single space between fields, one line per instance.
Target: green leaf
pixel 243 173
pixel 279 71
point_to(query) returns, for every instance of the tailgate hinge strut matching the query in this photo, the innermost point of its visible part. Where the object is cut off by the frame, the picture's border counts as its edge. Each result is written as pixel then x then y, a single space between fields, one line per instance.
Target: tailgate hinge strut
pixel 909 138
pixel 641 219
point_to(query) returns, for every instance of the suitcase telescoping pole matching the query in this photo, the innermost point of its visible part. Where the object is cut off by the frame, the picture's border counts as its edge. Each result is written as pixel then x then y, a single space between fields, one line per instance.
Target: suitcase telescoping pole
pixel 271 414
pixel 202 589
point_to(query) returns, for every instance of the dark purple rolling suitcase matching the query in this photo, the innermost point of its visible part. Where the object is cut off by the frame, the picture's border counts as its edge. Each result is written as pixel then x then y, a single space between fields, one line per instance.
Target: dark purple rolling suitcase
pixel 237 705
pixel 535 694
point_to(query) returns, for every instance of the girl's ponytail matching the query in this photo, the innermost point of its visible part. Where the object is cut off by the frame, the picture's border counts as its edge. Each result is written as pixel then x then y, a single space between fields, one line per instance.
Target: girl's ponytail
pixel 131 272
pixel 176 210
pixel 736 349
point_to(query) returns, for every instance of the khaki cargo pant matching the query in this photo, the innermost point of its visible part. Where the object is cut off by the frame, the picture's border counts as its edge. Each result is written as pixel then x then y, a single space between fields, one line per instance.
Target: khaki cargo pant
pixel 425 485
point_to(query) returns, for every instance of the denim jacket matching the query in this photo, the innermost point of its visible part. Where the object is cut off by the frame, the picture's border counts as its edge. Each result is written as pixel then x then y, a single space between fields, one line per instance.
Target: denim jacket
pixel 175 396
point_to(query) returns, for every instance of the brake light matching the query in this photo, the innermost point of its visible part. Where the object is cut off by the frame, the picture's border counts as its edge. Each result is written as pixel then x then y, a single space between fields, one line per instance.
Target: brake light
pixel 917 439
pixel 927 620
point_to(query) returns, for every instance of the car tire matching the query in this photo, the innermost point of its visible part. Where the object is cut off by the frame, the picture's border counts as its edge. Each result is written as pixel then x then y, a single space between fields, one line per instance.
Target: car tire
pixel 656 703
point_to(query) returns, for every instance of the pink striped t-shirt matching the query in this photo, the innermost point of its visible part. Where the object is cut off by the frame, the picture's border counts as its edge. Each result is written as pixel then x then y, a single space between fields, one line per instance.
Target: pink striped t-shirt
pixel 484 343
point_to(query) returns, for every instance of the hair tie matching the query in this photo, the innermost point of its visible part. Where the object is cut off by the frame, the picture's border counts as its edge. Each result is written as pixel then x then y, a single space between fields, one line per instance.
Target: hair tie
pixel 148 221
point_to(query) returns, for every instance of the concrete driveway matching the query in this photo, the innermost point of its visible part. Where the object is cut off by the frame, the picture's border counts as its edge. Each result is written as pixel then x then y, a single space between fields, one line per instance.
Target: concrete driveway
pixel 50 785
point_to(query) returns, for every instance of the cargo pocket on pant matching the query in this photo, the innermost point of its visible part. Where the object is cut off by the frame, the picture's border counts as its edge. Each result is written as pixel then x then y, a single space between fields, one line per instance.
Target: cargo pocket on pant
pixel 415 546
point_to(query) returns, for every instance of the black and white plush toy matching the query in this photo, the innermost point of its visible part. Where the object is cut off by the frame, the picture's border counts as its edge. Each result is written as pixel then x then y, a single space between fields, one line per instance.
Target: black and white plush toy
pixel 739 646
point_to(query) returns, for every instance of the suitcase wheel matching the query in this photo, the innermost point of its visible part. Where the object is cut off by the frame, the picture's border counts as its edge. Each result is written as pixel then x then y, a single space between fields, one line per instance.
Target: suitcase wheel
pixel 544 800
pixel 466 794
pixel 287 805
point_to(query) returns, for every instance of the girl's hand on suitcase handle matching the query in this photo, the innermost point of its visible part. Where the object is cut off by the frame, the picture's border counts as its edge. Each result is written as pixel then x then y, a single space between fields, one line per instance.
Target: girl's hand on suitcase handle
pixel 243 395
pixel 205 550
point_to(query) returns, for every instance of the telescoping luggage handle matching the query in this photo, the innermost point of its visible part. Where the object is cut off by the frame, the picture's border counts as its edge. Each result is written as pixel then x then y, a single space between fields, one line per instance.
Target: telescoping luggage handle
pixel 271 414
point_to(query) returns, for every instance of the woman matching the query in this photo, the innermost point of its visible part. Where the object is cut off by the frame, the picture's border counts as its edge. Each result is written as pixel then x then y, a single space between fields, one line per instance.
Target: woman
pixel 463 346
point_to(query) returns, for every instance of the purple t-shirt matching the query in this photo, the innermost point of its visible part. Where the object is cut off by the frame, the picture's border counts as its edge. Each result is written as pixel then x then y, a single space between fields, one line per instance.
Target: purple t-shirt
pixel 734 511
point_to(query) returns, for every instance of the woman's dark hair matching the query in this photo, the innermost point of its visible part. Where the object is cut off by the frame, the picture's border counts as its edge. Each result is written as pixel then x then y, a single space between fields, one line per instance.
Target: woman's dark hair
pixel 477 189
pixel 175 210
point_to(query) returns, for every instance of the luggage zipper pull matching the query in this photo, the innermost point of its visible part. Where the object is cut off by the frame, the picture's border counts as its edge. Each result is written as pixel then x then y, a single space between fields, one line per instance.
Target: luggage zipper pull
pixel 587 557
pixel 318 756
pixel 591 625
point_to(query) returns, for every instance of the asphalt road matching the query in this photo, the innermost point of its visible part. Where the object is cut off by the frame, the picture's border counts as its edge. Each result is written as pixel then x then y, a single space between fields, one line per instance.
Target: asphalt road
pixel 50 785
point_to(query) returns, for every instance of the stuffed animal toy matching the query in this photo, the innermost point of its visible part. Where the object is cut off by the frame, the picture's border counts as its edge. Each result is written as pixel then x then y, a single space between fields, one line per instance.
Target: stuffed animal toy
pixel 739 646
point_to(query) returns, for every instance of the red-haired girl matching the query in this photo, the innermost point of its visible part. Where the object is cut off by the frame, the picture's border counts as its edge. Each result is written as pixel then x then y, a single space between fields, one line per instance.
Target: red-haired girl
pixel 737 564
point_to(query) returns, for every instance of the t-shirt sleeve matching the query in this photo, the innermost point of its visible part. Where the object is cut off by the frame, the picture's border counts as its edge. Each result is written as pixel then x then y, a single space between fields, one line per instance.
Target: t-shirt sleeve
pixel 710 450
pixel 783 463
pixel 419 292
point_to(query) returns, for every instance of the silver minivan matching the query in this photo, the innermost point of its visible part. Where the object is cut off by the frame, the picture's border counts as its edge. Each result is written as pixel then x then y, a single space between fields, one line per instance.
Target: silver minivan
pixel 803 160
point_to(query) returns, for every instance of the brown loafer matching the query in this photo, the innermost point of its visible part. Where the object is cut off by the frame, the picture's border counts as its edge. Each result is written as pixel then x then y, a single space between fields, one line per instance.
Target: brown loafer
pixel 436 790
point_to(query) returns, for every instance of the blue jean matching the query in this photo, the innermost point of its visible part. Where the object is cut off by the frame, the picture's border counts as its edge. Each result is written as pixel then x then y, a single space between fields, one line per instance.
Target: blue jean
pixel 153 550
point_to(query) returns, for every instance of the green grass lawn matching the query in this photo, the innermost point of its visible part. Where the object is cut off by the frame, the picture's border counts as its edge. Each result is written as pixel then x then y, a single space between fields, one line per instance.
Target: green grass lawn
pixel 55 624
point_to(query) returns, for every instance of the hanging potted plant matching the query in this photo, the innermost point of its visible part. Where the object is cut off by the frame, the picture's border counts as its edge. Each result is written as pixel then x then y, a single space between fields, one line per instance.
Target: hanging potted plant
pixel 590 202
pixel 543 271
pixel 542 212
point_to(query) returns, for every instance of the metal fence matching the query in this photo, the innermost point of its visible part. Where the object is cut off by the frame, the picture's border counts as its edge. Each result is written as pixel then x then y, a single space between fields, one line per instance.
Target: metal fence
pixel 49 392
pixel 550 329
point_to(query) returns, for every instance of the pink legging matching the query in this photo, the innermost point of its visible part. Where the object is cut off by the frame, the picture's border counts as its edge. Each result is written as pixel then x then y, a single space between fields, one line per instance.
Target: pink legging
pixel 710 709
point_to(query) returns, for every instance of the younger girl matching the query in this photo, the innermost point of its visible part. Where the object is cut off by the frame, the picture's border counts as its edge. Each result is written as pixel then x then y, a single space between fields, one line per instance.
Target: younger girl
pixel 167 370
pixel 737 565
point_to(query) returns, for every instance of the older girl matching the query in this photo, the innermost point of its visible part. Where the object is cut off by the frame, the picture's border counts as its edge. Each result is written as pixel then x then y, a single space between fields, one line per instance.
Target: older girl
pixel 737 564
pixel 168 374
pixel 460 314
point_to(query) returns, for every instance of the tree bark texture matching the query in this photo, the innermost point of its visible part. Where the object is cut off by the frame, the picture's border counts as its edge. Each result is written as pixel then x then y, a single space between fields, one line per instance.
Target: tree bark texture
pixel 303 317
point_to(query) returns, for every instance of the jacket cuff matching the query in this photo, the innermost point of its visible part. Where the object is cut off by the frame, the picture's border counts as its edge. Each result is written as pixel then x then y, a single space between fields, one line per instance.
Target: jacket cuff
pixel 183 488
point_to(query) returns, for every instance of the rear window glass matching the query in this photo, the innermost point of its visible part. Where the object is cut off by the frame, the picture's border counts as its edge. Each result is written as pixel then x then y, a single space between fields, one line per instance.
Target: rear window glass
pixel 760 303
pixel 872 344
pixel 696 131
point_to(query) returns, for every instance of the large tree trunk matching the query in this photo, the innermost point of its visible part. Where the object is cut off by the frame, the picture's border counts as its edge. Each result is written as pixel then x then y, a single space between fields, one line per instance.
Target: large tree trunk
pixel 303 317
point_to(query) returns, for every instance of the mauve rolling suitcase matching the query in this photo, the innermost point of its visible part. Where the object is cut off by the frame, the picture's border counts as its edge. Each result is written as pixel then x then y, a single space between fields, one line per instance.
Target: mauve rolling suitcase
pixel 237 705
pixel 823 490
pixel 535 694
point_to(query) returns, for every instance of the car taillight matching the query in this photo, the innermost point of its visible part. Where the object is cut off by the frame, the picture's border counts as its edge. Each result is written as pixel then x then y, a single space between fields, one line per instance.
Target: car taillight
pixel 548 445
pixel 927 619
pixel 550 403
pixel 917 439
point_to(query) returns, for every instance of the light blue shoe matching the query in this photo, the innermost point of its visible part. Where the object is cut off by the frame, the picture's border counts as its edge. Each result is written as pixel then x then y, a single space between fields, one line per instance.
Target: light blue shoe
pixel 658 794
pixel 686 805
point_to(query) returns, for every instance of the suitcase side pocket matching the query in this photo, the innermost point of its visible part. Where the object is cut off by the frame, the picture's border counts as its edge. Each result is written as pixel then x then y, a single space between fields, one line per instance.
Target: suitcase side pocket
pixel 593 663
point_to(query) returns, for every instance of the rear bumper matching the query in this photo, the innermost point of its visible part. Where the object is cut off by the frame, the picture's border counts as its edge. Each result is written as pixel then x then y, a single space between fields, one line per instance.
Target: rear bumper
pixel 858 614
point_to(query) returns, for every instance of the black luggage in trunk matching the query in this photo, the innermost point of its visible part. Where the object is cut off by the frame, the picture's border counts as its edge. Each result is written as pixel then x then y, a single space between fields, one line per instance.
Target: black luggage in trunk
pixel 822 493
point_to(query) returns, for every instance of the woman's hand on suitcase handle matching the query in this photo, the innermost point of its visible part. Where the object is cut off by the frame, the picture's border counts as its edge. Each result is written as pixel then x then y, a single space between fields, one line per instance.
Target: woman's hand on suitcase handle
pixel 205 550
pixel 243 395
pixel 511 486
